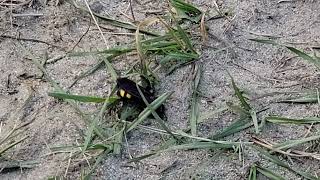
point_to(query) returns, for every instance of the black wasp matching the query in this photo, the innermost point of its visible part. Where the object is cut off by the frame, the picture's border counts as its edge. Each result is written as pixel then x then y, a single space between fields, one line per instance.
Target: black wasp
pixel 128 92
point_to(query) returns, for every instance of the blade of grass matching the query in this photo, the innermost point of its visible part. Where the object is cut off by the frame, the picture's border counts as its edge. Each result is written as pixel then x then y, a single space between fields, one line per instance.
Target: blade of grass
pixel 306 98
pixel 265 41
pixel 94 123
pixel 154 113
pixel 284 120
pixel 146 112
pixel 194 116
pixel 298 52
pixel 305 56
pixel 80 98
pixel 12 145
pixel 292 143
pixel 204 116
pixel 186 10
pixel 253 114
pixel 278 162
pixel 140 50
pixel 237 126
pixel 188 146
pixel 238 93
pixel 269 174
pixel 9 165
pixel 253 173
pixel 203 29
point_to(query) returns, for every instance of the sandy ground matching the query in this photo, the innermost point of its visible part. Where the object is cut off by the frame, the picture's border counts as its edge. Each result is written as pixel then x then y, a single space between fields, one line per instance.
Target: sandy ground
pixel 257 68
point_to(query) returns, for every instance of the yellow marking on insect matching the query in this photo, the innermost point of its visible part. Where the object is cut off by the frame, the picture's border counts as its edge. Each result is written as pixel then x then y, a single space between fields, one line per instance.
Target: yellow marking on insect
pixel 122 92
pixel 128 95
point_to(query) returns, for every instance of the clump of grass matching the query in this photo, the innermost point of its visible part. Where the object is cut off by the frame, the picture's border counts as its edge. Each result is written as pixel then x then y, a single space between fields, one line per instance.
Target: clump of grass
pixel 174 48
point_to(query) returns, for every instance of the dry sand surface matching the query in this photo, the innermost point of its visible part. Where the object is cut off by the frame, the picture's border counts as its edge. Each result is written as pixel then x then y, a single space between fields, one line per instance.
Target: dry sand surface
pixel 262 71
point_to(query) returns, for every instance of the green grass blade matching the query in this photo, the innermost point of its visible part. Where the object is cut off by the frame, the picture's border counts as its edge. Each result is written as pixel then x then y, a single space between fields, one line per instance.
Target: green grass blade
pixel 146 112
pixel 269 174
pixel 237 126
pixel 194 116
pixel 9 165
pixel 292 143
pixel 154 113
pixel 80 98
pixel 184 37
pixel 110 68
pixel 187 146
pixel 93 125
pixel 88 72
pixel 186 10
pixel 199 145
pixel 306 98
pixel 205 115
pixel 265 41
pixel 253 173
pixel 284 120
pixel 238 93
pixel 305 56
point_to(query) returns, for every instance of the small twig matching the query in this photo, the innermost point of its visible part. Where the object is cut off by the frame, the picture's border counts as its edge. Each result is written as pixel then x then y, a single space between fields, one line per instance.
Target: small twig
pixel 29 39
pixel 81 37
pixel 131 10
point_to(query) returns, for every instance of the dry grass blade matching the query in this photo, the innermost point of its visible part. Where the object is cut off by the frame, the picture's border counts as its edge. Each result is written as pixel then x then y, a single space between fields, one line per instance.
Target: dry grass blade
pixel 210 114
pixel 292 153
pixel 186 135
pixel 11 145
pixel 203 29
